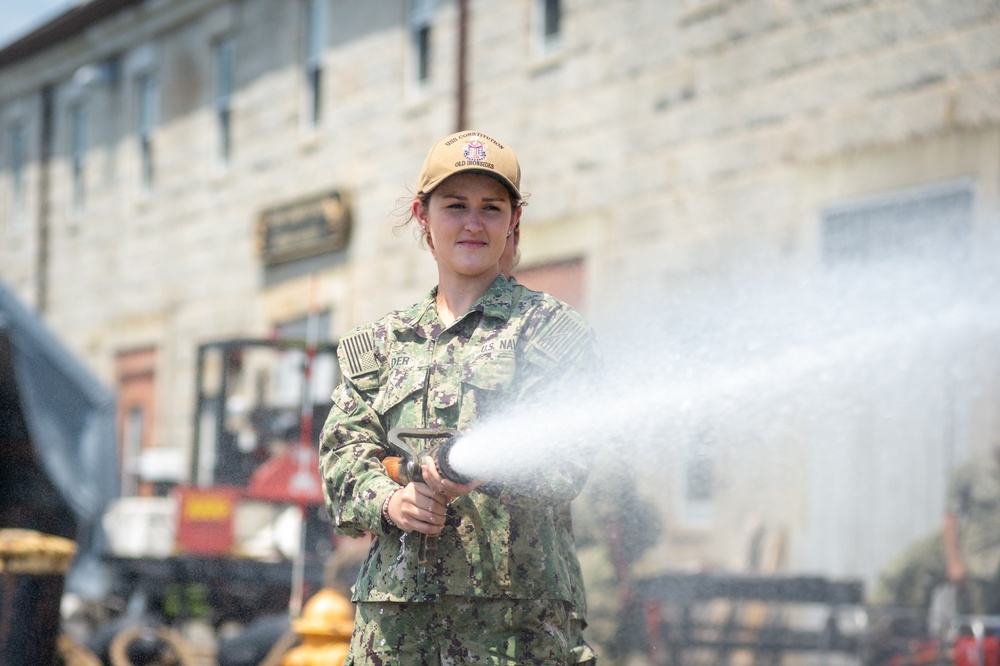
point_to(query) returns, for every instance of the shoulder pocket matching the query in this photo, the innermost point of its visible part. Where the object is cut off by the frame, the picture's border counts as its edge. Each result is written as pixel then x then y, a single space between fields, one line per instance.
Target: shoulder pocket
pixel 356 353
pixel 366 383
pixel 559 339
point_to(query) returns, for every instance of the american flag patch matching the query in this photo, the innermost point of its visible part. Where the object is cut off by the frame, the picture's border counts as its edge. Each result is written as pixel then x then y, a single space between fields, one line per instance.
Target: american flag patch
pixel 359 350
pixel 561 335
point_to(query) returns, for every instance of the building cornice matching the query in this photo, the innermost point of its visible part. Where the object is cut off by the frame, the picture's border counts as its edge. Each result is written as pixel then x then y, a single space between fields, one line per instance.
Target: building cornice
pixel 65 26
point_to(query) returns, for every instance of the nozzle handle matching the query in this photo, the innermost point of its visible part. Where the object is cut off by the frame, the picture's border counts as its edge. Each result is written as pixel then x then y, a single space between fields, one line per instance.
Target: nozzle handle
pixel 410 470
pixel 396 436
pixel 404 469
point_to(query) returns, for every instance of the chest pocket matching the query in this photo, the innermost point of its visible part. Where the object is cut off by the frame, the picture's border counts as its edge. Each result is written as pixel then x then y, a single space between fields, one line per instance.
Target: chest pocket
pixel 487 382
pixel 401 383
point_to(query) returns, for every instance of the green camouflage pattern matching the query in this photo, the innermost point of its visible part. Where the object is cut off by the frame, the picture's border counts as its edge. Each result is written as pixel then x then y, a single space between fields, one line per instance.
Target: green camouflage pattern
pixel 910 578
pixel 456 631
pixel 614 524
pixel 409 370
pixel 974 498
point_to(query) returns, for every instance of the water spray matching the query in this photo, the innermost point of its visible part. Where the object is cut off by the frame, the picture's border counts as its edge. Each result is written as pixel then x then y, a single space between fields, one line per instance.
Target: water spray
pixel 837 377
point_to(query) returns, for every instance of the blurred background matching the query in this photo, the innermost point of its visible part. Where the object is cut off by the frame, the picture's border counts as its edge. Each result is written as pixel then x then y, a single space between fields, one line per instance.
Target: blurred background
pixel 780 215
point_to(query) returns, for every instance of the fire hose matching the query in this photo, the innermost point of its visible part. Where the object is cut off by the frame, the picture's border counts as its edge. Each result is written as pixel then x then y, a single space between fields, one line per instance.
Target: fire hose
pixel 406 467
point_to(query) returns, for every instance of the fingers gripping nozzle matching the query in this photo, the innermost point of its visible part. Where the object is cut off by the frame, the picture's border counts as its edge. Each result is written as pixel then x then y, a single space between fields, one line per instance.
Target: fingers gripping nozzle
pixel 407 467
pixel 440 442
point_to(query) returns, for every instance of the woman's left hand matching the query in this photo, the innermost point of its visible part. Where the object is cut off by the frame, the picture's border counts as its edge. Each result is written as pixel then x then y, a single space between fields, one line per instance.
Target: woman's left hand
pixel 439 484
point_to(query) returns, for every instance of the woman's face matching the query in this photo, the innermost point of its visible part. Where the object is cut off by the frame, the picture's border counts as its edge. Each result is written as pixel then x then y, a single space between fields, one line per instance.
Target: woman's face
pixel 468 216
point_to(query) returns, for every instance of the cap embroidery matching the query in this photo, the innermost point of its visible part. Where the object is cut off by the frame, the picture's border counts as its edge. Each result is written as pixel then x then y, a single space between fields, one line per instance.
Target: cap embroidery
pixel 474 150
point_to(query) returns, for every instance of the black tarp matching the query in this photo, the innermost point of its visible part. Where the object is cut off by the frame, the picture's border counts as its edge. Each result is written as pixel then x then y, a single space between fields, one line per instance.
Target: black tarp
pixel 58 454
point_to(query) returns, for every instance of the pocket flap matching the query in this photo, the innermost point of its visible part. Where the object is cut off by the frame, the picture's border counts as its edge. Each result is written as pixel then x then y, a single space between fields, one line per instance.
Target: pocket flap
pixel 490 372
pixel 400 384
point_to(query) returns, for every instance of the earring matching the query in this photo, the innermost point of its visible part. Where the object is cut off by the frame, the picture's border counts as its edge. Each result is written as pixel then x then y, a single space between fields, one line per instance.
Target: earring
pixel 509 233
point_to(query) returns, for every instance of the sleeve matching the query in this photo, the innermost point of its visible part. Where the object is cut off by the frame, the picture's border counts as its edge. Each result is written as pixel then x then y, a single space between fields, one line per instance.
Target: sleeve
pixel 957 497
pixel 352 444
pixel 561 356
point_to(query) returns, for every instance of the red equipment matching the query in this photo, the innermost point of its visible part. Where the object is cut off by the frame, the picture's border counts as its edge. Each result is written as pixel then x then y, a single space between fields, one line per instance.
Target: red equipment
pixel 967 651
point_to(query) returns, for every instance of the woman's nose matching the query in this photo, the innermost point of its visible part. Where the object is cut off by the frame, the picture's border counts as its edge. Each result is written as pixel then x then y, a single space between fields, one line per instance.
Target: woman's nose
pixel 474 220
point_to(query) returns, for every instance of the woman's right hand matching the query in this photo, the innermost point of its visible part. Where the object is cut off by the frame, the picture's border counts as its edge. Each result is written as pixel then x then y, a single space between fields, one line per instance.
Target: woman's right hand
pixel 417 508
pixel 451 490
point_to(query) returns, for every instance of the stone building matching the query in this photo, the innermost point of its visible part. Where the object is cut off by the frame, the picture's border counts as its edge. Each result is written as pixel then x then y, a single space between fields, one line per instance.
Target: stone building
pixel 195 170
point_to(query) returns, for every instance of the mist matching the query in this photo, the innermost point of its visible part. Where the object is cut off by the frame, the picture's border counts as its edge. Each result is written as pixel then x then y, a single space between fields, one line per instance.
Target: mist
pixel 829 405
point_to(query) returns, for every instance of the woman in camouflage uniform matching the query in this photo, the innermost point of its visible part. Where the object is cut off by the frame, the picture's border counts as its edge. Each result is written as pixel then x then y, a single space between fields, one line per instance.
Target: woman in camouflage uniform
pixel 505 583
pixel 971 533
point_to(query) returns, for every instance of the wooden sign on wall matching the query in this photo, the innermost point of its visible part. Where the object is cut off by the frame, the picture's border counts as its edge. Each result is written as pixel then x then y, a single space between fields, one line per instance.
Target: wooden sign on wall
pixel 305 227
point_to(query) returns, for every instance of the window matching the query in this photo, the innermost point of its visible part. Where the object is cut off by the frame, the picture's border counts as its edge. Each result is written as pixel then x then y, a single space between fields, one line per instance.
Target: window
pixel 324 371
pixel 421 16
pixel 78 153
pixel 224 60
pixel 146 103
pixel 565 280
pixel 18 146
pixel 549 23
pixel 919 222
pixel 697 482
pixel 135 372
pixel 314 31
pixel 132 436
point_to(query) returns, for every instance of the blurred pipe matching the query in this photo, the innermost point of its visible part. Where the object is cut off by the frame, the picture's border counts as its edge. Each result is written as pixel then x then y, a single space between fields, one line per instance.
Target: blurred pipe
pixel 305 442
pixel 463 44
pixel 44 206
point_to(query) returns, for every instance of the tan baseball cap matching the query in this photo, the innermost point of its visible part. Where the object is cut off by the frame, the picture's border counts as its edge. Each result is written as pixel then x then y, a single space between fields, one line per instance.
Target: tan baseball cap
pixel 470 151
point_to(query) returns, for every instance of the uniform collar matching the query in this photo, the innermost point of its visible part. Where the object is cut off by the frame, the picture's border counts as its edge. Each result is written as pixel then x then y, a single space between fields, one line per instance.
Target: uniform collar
pixel 423 317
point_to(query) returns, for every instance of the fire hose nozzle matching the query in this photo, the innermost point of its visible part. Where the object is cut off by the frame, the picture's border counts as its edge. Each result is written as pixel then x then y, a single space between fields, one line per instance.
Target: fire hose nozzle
pixel 406 468
pixel 442 441
pixel 443 459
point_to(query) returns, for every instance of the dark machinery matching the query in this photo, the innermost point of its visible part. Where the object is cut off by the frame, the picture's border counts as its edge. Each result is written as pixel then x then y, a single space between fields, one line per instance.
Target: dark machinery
pixel 254 419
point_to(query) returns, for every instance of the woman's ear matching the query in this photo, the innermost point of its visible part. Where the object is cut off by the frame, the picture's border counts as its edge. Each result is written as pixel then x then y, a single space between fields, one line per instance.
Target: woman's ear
pixel 419 212
pixel 514 219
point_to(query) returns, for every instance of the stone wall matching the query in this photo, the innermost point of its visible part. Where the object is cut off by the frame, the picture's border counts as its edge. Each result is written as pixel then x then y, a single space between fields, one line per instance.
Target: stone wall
pixel 661 141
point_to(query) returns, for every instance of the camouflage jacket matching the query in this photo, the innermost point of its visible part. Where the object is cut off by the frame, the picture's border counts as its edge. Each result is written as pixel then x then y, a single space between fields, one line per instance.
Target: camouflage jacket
pixel 409 370
pixel 974 498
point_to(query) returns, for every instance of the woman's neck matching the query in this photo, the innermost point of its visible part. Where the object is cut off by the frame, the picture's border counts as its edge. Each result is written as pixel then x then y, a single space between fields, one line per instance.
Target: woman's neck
pixel 455 297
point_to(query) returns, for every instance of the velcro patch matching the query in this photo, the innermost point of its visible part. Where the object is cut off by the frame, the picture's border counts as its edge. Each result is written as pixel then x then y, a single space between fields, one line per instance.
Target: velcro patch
pixel 560 336
pixel 359 350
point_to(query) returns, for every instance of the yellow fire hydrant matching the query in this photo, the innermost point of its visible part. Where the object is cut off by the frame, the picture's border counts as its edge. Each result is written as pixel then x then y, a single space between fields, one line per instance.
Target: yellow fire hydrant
pixel 325 627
